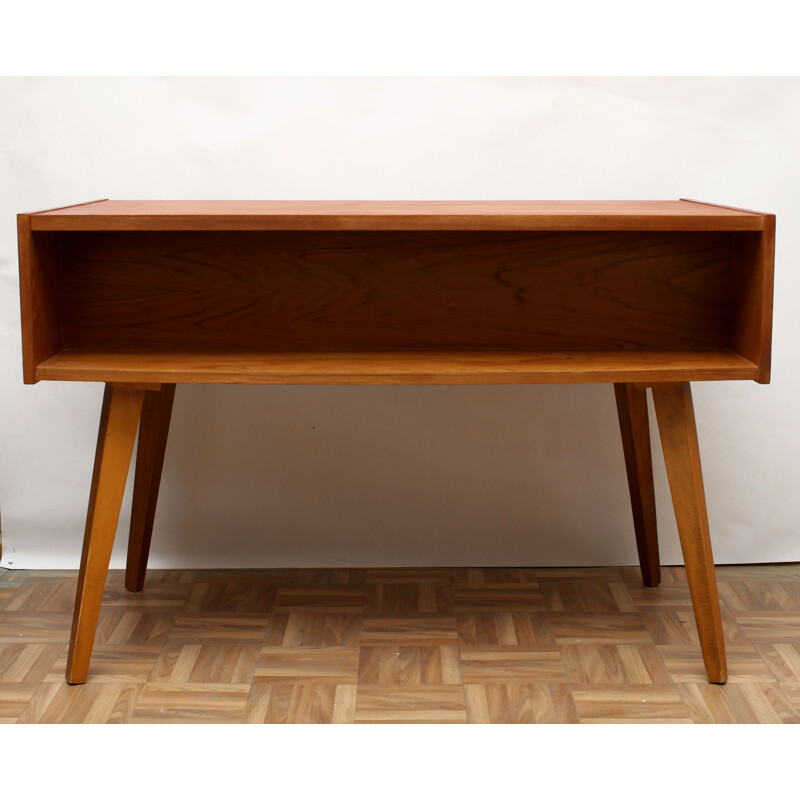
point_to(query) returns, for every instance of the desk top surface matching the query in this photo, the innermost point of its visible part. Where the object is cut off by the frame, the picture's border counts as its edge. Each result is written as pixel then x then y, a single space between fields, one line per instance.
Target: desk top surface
pixel 395 215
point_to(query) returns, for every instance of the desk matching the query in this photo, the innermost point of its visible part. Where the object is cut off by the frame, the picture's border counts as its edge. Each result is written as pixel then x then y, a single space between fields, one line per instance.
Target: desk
pixel 145 295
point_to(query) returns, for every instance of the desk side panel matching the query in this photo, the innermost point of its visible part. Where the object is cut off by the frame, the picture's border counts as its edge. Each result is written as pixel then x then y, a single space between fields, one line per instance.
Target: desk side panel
pixel 753 260
pixel 39 296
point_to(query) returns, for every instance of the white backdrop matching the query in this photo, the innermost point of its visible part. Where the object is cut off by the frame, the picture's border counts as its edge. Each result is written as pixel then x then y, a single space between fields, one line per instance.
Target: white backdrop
pixel 334 476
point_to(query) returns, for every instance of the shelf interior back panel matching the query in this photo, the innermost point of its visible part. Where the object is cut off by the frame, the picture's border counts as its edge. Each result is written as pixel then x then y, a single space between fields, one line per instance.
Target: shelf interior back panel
pixel 402 292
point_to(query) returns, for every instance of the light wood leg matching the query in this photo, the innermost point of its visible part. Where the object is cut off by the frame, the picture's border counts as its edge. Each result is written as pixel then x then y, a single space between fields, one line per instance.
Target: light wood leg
pixel 678 431
pixel 118 422
pixel 153 432
pixel 635 429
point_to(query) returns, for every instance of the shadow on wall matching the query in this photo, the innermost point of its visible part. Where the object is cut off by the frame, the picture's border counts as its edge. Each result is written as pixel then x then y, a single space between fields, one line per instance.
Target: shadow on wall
pixel 363 475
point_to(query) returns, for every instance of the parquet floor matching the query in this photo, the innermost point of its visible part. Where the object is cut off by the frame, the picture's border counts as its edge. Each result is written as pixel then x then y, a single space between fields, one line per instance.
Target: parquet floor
pixel 402 645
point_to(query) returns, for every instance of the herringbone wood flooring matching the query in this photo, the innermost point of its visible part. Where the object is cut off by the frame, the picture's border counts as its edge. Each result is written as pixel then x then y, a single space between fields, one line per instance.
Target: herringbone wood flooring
pixel 402 645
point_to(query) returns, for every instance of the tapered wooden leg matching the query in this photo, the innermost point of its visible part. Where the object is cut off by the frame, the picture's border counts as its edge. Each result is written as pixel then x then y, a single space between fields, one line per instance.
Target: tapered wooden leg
pixel 678 431
pixel 153 432
pixel 118 421
pixel 635 429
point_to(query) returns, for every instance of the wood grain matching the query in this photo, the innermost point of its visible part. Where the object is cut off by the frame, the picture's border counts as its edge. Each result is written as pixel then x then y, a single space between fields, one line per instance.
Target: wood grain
pixel 506 666
pixel 39 296
pixel 151 447
pixel 753 259
pixel 180 658
pixel 502 628
pixel 645 703
pixel 598 628
pixel 442 368
pixel 634 427
pixel 205 663
pixel 578 596
pixel 213 291
pixel 93 703
pixel 300 703
pixel 14 699
pixel 391 599
pixel 395 215
pixel 678 432
pixel 379 291
pixel 410 704
pixel 119 420
pixel 336 665
pixel 314 629
pixel 27 663
pixel 190 703
pixel 519 703
pixel 745 665
pixel 117 663
pixel 630 664
pixel 409 665
pixel 57 209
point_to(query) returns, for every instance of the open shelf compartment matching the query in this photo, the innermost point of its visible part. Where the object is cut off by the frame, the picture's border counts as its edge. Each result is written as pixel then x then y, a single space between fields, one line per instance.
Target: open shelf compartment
pixel 418 306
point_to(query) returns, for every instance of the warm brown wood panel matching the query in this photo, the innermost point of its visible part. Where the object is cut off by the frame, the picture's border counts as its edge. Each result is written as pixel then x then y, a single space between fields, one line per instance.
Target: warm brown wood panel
pixel 39 297
pixel 396 215
pixel 449 367
pixel 374 291
pixel 753 259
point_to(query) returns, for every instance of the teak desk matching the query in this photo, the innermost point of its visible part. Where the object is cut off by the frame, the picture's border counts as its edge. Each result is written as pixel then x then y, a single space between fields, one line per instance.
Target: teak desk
pixel 146 295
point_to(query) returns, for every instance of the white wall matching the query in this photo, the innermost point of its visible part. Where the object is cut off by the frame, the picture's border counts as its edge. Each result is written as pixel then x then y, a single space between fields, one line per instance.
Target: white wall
pixel 288 476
